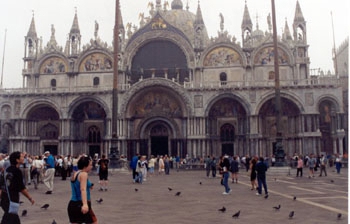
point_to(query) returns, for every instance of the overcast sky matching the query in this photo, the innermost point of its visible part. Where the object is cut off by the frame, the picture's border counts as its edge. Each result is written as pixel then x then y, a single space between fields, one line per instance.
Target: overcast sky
pixel 16 15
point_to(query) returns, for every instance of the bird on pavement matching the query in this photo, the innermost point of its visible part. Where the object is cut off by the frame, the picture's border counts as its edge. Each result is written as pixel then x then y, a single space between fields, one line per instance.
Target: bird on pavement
pixel 24 212
pixel 339 216
pixel 332 181
pixel 291 214
pixel 136 189
pixel 178 193
pixel 277 207
pixel 295 198
pixel 266 196
pixel 99 200
pixel 223 209
pixel 54 222
pixel 45 206
pixel 170 189
pixel 200 183
pixel 236 215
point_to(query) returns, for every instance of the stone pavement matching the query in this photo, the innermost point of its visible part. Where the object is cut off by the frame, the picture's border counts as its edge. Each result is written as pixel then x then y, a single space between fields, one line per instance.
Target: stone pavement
pixel 318 200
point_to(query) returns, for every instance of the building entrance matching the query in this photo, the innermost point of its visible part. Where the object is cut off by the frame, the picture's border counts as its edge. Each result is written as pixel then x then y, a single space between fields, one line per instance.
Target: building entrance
pixel 159 145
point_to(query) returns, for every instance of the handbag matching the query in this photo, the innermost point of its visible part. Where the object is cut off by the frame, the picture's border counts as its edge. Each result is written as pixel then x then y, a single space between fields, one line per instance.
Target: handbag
pixel 14 206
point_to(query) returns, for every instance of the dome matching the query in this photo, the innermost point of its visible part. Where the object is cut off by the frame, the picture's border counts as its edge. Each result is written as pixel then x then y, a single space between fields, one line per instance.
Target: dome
pixel 176 4
pixel 182 20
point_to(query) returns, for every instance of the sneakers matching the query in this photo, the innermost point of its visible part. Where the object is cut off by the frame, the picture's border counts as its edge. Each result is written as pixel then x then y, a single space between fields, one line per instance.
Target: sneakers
pixel 258 194
pixel 48 192
pixel 225 193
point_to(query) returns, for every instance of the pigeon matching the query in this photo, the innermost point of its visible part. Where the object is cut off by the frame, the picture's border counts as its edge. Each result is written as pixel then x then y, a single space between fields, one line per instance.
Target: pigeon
pixel 236 214
pixel 295 198
pixel 170 189
pixel 24 212
pixel 200 183
pixel 136 189
pixel 178 193
pixel 99 200
pixel 54 222
pixel 291 214
pixel 223 209
pixel 45 206
pixel 332 181
pixel 266 196
pixel 277 207
pixel 339 216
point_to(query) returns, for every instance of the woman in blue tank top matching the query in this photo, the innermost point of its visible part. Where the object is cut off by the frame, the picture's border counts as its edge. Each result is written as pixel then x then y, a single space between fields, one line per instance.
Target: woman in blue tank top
pixel 79 207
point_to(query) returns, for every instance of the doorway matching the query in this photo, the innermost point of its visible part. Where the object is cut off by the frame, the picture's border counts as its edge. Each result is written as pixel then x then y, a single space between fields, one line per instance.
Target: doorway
pixel 159 145
pixel 51 148
pixel 93 149
pixel 227 149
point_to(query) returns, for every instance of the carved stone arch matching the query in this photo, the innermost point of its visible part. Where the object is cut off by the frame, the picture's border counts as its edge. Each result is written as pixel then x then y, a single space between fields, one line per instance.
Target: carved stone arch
pixel 226 46
pixel 219 96
pixel 83 100
pixel 97 60
pixel 264 52
pixel 52 63
pixel 146 125
pixel 6 111
pixel 47 102
pixel 165 35
pixel 171 87
pixel 287 95
pixel 329 98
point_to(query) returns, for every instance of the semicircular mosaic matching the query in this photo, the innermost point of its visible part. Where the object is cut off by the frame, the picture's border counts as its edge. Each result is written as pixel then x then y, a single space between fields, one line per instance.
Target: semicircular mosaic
pixel 53 65
pixel 96 62
pixel 222 56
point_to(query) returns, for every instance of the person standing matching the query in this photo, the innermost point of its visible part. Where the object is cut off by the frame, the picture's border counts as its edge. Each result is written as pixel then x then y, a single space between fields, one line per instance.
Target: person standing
pixel 213 167
pixel 103 172
pixel 79 207
pixel 151 165
pixel 133 165
pixel 234 169
pixel 15 185
pixel 261 169
pixel 300 166
pixel 161 165
pixel 144 167
pixel 253 173
pixel 312 164
pixel 166 165
pixel 323 165
pixel 50 171
pixel 207 163
pixel 338 163
pixel 225 165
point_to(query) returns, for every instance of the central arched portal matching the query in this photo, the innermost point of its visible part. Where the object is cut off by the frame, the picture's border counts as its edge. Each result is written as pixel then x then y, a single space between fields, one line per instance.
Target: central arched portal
pixel 159 136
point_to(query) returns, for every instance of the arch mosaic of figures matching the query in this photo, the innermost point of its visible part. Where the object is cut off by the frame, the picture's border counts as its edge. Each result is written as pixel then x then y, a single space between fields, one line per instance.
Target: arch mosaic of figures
pixel 149 127
pixel 223 55
pixel 172 88
pixel 44 101
pixel 96 62
pixel 97 106
pixel 264 55
pixel 53 64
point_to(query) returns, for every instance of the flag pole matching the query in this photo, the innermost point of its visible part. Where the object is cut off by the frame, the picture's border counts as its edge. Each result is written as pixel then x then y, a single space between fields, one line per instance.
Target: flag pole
pixel 3 60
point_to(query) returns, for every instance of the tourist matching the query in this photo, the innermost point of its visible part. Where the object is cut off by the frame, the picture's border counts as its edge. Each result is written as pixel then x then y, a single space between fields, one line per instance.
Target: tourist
pixel 103 173
pixel 261 169
pixel 50 171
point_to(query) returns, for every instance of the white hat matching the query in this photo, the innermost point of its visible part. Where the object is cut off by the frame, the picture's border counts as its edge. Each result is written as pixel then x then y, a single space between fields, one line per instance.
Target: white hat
pixel 47 152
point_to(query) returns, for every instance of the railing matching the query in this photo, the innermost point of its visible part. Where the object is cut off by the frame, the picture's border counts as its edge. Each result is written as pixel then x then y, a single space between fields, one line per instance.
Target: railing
pixel 311 82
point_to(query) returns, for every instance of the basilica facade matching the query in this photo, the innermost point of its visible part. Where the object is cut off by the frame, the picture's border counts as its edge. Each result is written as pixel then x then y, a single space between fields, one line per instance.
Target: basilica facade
pixel 179 91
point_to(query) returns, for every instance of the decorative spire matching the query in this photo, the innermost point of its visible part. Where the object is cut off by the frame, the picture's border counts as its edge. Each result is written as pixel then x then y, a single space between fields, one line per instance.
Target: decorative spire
pixel 32 30
pixel 199 16
pixel 298 18
pixel 246 22
pixel 75 27
pixel 287 35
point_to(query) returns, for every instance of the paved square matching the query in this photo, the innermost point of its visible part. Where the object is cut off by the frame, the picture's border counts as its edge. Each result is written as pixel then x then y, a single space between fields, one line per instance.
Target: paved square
pixel 318 200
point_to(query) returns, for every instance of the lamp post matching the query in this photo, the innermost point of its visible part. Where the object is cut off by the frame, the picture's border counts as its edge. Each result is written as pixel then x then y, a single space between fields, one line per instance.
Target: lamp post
pixel 114 152
pixel 279 146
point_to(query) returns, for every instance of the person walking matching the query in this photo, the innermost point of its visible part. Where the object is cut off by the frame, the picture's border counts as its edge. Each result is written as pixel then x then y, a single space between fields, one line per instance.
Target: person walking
pixel 103 173
pixel 213 167
pixel 151 165
pixel 50 171
pixel 161 165
pixel 166 165
pixel 300 166
pixel 225 165
pixel 253 173
pixel 133 165
pixel 207 162
pixel 14 180
pixel 79 207
pixel 261 169
pixel 323 165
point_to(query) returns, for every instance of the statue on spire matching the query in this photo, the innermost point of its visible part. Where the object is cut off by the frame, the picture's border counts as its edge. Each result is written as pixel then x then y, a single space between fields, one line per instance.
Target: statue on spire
pixel 221 22
pixel 96 29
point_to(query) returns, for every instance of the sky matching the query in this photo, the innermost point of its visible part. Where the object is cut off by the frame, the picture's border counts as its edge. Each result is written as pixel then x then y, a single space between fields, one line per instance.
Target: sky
pixel 16 15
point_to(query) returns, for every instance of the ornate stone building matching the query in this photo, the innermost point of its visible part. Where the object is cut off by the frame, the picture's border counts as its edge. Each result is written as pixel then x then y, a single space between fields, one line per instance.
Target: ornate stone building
pixel 180 92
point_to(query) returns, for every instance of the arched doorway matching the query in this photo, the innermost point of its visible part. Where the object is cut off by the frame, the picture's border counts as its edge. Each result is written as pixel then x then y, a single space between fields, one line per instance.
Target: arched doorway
pixel 159 140
pixel 227 134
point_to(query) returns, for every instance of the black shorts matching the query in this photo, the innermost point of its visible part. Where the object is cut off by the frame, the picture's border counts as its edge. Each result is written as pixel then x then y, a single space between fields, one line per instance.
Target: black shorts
pixel 76 216
pixel 103 175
